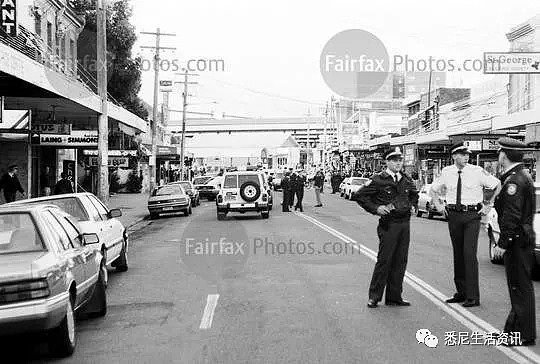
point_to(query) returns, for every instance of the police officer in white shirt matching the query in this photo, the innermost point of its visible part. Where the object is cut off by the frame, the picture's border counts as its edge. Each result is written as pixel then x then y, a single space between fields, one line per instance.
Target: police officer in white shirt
pixel 464 185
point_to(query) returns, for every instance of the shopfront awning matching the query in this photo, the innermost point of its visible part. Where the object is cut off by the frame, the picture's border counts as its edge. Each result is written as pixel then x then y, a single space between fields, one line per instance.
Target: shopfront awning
pixel 517 120
pixel 436 137
pixel 14 125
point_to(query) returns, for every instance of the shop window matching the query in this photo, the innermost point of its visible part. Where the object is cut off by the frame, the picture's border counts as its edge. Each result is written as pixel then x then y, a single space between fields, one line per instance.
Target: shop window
pixel 49 35
pixel 37 22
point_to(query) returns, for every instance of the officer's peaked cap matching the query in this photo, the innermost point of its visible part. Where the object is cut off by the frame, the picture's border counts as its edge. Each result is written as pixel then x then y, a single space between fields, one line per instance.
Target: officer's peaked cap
pixel 393 153
pixel 459 148
pixel 506 143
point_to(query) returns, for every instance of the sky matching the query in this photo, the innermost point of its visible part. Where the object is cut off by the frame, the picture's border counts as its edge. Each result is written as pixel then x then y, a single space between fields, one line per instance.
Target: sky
pixel 271 49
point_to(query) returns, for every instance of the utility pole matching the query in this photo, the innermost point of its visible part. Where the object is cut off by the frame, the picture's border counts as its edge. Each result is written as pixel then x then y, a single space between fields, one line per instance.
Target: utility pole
pixel 184 113
pixel 103 118
pixel 325 156
pixel 157 66
pixel 308 137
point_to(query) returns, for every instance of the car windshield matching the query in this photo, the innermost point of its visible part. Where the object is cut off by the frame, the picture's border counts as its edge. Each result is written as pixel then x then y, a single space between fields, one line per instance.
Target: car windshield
pixel 18 233
pixel 358 182
pixel 201 180
pixel 71 205
pixel 186 185
pixel 243 178
pixel 168 190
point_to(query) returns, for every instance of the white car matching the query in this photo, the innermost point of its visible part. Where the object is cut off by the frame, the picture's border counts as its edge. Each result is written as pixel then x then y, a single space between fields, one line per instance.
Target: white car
pixel 493 230
pixel 346 181
pixel 243 192
pixel 94 217
pixel 354 185
pixel 424 203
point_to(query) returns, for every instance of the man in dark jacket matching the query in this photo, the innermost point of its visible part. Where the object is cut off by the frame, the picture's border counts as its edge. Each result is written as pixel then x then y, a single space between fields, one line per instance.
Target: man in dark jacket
pixel 285 185
pixel 11 185
pixel 300 183
pixel 293 185
pixel 391 195
pixel 516 206
pixel 63 186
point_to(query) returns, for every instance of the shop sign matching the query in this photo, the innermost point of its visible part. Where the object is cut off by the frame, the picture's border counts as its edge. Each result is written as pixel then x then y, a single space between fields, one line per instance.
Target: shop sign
pixel 113 161
pixel 409 154
pixel 473 144
pixel 8 17
pixel 511 62
pixel 490 144
pixel 112 153
pixel 77 138
pixel 64 129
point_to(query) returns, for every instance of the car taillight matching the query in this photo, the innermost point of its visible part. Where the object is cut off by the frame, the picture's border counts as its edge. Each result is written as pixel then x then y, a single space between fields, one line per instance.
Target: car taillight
pixel 219 198
pixel 265 197
pixel 23 291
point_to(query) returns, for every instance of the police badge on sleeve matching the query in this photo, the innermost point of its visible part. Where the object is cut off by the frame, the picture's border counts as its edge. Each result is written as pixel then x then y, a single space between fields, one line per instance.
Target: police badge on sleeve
pixel 511 189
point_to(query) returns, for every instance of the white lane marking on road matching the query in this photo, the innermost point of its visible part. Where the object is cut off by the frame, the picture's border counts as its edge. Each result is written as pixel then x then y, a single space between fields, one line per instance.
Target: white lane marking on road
pixel 208 315
pixel 465 317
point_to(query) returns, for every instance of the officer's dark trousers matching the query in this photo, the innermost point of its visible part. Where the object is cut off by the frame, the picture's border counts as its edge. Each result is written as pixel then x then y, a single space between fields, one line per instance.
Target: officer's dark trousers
pixel 291 197
pixel 299 198
pixel 391 261
pixel 518 263
pixel 285 203
pixel 464 228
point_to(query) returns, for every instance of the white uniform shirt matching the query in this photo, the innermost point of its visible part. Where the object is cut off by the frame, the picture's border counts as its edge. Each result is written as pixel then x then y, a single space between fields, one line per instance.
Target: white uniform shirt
pixel 473 181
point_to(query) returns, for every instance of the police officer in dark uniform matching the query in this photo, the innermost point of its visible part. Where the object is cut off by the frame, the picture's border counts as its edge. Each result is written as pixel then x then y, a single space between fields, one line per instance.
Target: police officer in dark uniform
pixel 293 185
pixel 286 186
pixel 300 184
pixel 515 206
pixel 390 194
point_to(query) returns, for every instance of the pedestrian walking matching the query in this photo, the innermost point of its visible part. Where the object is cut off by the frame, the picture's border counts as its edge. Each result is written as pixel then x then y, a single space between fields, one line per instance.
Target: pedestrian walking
pixel 300 184
pixel 11 185
pixel 464 185
pixel 516 206
pixel 318 183
pixel 285 185
pixel 391 195
pixel 63 185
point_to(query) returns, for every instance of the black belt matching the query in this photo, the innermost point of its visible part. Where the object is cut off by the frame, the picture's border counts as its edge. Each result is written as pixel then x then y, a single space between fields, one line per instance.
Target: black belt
pixel 464 208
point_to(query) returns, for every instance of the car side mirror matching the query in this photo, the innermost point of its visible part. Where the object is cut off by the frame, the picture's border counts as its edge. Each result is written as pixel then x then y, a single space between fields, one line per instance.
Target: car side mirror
pixel 114 213
pixel 90 238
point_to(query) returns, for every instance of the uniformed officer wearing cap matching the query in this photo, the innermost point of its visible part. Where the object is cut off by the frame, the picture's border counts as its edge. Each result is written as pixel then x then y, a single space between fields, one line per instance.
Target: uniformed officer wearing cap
pixel 516 205
pixel 390 194
pixel 464 185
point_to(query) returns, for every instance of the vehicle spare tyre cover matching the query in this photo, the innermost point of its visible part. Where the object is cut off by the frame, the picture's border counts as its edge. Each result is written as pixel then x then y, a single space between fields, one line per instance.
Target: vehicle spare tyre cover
pixel 250 191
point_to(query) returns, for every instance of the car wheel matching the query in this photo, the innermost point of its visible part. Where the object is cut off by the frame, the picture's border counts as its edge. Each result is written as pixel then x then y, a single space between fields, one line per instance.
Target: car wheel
pixel 190 210
pixel 221 216
pixel 494 253
pixel 418 212
pixel 153 215
pixel 250 191
pixel 186 212
pixel 198 201
pixel 103 268
pixel 122 261
pixel 63 338
pixel 265 214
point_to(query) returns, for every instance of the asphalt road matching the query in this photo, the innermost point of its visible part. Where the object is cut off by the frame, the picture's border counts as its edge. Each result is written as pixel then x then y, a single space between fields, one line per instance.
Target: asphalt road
pixel 254 300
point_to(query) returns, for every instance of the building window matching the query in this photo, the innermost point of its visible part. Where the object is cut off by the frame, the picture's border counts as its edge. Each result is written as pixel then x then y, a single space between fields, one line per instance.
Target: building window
pixel 65 56
pixel 49 35
pixel 73 50
pixel 37 21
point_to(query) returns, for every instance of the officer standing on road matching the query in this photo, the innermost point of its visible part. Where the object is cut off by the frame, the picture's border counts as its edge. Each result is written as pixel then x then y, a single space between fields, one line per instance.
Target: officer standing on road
pixel 391 195
pixel 516 206
pixel 292 187
pixel 285 185
pixel 300 184
pixel 464 185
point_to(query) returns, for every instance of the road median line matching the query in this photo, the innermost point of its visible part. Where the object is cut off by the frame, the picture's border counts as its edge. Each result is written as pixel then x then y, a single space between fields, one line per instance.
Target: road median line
pixel 209 309
pixel 465 317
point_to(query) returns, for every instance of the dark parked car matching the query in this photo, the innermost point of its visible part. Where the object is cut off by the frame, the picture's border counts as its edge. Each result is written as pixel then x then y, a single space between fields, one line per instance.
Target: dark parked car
pixel 191 191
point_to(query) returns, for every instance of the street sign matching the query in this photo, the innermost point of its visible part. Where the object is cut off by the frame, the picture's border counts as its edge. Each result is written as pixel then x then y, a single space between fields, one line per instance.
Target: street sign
pixel 511 62
pixel 165 85
pixel 490 144
pixel 112 153
pixel 64 129
pixel 113 161
pixel 8 17
pixel 473 144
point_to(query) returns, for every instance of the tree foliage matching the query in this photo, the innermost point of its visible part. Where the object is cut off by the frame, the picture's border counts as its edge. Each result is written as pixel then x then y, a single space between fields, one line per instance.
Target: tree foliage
pixel 124 72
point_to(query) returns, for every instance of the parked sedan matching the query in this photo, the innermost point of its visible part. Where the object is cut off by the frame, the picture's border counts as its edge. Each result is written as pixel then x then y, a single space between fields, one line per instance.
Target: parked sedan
pixel 354 185
pixel 169 198
pixel 424 203
pixel 211 188
pixel 191 191
pixel 48 272
pixel 94 217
